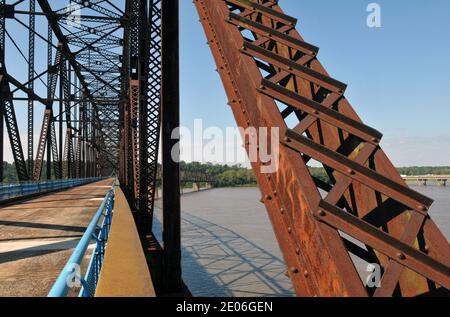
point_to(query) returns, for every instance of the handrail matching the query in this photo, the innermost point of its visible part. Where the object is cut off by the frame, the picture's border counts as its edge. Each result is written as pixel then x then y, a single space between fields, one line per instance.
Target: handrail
pixel 70 276
pixel 11 191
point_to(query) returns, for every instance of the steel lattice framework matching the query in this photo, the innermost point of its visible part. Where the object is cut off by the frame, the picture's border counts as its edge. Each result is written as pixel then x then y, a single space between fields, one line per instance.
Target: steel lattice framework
pixel 98 85
pixel 274 78
pixel 81 94
pixel 101 77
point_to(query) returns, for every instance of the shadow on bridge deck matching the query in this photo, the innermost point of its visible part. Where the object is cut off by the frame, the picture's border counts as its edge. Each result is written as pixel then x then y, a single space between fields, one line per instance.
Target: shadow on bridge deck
pixel 38 236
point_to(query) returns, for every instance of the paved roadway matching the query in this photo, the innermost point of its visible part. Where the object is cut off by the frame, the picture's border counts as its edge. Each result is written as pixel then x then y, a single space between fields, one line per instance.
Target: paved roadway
pixel 38 236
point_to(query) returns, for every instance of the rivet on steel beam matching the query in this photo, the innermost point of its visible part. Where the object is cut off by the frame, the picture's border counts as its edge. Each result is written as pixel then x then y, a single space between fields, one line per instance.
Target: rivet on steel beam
pixel 282 211
pixel 287 140
pixel 375 140
pixel 294 270
pixel 426 249
pixel 306 273
pixel 289 230
pixel 268 197
pixel 321 213
pixel 297 251
pixel 422 208
pixel 262 87
pixel 350 171
pixel 401 256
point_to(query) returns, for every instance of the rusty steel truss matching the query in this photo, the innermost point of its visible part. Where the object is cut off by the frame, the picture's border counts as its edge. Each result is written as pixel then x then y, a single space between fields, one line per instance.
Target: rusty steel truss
pixel 366 213
pixel 93 79
pixel 102 77
pixel 72 54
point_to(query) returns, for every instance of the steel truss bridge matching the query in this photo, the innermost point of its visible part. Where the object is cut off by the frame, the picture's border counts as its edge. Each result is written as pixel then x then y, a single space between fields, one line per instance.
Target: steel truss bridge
pixel 94 85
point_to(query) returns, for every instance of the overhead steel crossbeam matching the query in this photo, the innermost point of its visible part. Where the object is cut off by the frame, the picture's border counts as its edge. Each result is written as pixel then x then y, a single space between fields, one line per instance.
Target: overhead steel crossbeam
pixel 365 213
pixel 85 44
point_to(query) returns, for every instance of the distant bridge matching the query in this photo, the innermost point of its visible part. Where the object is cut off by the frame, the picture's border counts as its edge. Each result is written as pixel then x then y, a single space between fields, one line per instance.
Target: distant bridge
pixel 192 177
pixel 441 180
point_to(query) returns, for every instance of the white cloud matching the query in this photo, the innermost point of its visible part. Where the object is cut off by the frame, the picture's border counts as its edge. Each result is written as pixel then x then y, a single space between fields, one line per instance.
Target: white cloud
pixel 418 151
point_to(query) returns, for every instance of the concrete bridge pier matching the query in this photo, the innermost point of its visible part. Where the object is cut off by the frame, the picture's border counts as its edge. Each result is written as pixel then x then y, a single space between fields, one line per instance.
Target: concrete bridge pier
pixel 195 187
pixel 422 182
pixel 442 182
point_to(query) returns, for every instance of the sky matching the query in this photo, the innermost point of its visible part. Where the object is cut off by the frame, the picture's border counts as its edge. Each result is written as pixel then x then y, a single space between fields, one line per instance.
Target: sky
pixel 398 75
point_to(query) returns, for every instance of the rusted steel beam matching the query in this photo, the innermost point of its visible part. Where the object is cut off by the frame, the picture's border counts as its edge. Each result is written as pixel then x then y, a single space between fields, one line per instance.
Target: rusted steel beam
pixel 154 104
pixel 281 37
pixel 274 64
pixel 297 231
pixel 293 67
pixel 275 15
pixel 321 112
pixel 9 114
pixel 396 250
pixel 41 145
pixel 360 173
pixel 134 112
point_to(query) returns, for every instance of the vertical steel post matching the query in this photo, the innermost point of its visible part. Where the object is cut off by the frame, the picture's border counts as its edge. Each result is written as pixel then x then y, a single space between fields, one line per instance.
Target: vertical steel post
pixel 153 104
pixel 171 121
pixel 2 60
pixel 31 60
pixel 143 117
pixel 84 134
pixel 49 97
pixel 61 115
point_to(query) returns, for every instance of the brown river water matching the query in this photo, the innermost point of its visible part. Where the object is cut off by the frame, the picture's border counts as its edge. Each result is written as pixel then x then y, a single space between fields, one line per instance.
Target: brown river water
pixel 229 248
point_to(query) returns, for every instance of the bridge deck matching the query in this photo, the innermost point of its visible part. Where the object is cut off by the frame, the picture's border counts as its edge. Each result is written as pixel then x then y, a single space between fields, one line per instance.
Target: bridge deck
pixel 38 236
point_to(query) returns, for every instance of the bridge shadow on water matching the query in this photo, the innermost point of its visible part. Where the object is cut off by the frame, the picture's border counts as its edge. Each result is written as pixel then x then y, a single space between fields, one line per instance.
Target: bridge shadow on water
pixel 218 262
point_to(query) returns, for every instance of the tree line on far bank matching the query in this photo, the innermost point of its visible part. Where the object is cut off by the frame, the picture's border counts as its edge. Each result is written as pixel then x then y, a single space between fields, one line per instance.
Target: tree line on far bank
pixel 237 176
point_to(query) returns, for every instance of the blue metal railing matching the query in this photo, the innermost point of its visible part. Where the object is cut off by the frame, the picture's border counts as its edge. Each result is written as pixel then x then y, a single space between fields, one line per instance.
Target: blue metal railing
pixel 70 276
pixel 10 191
